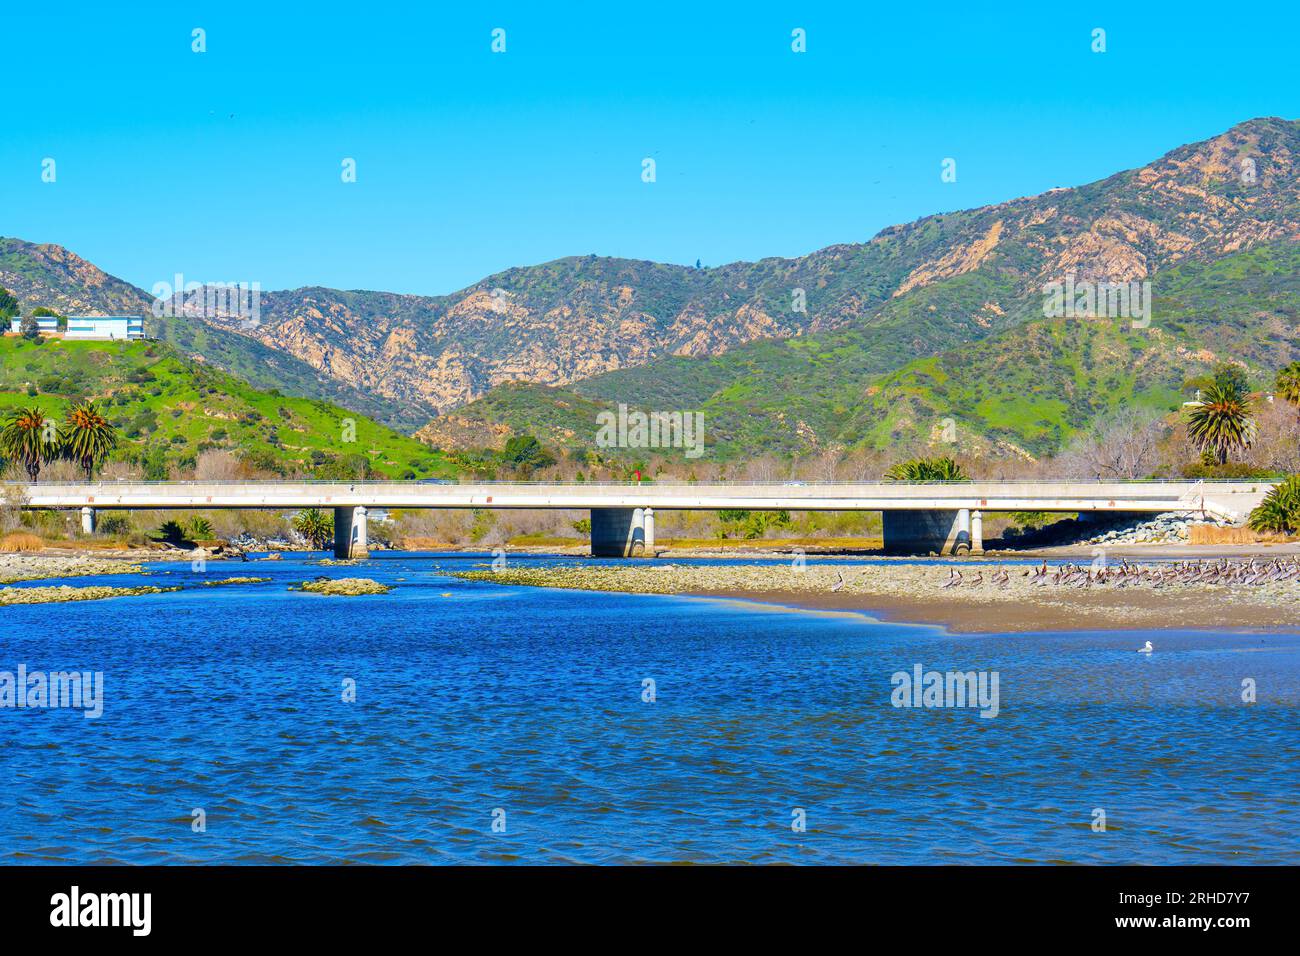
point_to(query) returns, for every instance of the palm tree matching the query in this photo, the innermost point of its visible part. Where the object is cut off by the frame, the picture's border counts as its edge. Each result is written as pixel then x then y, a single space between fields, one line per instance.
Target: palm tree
pixel 1221 423
pixel 927 469
pixel 314 525
pixel 1280 509
pixel 1288 383
pixel 29 437
pixel 88 437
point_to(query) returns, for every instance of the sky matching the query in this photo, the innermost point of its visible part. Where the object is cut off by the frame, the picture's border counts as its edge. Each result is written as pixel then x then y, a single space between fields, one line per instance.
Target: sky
pixel 228 164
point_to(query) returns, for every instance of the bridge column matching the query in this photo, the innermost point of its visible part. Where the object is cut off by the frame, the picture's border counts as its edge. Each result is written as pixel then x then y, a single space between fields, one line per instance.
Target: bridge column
pixel 977 532
pixel 648 531
pixel 962 544
pixel 618 532
pixel 88 520
pixel 350 533
pixel 922 531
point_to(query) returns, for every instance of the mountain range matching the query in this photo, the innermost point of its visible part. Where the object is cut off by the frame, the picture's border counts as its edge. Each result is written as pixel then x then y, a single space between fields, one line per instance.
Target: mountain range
pixel 857 343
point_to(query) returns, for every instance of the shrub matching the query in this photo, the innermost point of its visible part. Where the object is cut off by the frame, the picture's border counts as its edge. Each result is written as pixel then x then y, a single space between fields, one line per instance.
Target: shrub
pixel 170 531
pixel 927 469
pixel 1279 512
pixel 20 541
pixel 116 524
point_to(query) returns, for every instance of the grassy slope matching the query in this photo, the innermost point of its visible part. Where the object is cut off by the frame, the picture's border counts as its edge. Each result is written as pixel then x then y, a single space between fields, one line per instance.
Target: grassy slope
pixel 162 400
pixel 267 368
pixel 53 277
pixel 1016 378
pixel 1037 384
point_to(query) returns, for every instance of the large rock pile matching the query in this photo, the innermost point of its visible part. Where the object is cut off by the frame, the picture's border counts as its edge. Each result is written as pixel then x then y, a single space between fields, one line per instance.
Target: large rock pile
pixel 1168 528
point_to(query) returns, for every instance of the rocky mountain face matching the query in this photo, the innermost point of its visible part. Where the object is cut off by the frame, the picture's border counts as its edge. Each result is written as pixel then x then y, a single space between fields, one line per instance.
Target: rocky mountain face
pixel 962 333
pixel 780 347
pixel 571 319
pixel 51 276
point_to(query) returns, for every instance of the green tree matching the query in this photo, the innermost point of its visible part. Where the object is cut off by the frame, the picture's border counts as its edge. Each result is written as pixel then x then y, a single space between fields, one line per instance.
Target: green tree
pixel 87 437
pixel 8 304
pixel 927 469
pixel 315 525
pixel 200 529
pixel 1280 510
pixel 1231 378
pixel 1221 424
pixel 171 531
pixel 29 329
pixel 1288 383
pixel 30 438
pixel 526 451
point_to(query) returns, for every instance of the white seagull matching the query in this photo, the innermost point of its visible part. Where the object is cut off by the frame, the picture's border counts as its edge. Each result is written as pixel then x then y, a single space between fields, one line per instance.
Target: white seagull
pixel 1146 648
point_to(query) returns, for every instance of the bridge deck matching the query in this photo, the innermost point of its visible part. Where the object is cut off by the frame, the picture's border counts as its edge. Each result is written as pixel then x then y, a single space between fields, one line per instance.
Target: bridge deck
pixel 1235 497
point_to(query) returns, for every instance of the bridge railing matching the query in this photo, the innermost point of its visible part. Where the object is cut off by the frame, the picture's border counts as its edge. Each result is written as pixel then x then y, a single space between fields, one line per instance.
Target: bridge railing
pixel 673 483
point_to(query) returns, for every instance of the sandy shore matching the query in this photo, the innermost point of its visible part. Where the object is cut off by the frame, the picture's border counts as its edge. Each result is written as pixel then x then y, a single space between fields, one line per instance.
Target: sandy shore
pixel 912 593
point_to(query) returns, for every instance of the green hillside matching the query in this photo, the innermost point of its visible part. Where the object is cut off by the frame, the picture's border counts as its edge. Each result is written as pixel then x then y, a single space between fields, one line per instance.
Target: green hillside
pixel 1034 386
pixel 170 408
pixel 1006 375
pixel 51 276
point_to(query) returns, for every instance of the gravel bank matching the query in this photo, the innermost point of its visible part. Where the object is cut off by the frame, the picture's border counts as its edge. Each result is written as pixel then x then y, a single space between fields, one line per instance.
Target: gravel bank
pixel 58 594
pixel 345 587
pixel 915 593
pixel 36 567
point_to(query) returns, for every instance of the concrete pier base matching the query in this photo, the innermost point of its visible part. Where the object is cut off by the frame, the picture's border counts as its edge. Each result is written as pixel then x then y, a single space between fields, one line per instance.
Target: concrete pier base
pixel 350 533
pixel 977 532
pixel 920 532
pixel 88 520
pixel 620 532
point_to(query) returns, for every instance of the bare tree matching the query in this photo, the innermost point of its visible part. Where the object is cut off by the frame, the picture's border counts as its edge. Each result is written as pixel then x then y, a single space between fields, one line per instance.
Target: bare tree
pixel 1125 444
pixel 1277 440
pixel 216 464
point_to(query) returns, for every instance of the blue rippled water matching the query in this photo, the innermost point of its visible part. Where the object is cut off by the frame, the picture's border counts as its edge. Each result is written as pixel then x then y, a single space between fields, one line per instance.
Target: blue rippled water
pixel 476 702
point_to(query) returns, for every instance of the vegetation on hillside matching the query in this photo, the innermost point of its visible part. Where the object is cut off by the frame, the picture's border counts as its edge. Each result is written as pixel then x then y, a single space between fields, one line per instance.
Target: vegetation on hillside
pixel 1020 385
pixel 927 469
pixel 1279 512
pixel 173 416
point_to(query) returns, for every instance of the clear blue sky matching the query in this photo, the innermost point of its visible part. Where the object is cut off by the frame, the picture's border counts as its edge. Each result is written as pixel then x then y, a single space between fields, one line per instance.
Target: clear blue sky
pixel 225 165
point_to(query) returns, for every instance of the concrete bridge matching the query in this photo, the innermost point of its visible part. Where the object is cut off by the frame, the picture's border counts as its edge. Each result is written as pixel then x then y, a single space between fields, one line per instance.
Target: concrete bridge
pixel 943 517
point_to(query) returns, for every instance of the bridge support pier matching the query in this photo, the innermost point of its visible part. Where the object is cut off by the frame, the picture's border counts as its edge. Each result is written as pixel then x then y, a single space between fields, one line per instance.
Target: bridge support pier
pixel 87 520
pixel 350 533
pixel 922 531
pixel 621 532
pixel 977 532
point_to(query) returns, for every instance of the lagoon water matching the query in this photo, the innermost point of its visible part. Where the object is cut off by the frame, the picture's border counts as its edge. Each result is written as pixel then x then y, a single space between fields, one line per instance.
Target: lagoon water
pixel 478 703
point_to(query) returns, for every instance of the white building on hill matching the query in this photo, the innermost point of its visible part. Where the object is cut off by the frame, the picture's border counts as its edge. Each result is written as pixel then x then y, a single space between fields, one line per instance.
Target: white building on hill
pixel 89 327
pixel 126 327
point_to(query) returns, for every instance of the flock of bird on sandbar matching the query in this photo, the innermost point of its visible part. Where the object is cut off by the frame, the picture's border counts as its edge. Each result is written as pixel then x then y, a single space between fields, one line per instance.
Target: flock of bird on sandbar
pixel 1124 574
